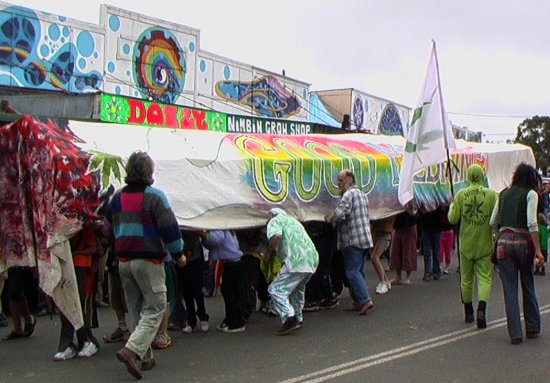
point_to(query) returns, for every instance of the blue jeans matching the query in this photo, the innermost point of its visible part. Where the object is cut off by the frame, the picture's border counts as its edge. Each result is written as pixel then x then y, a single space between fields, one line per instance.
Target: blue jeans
pixel 514 256
pixel 354 265
pixel 430 247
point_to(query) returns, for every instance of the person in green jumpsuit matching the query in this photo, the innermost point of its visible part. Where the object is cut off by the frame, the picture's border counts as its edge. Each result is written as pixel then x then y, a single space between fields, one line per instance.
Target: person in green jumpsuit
pixel 472 207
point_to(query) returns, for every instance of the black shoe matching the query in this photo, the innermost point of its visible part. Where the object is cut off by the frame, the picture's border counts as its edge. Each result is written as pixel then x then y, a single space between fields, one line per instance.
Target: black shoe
pixel 481 322
pixel 291 324
pixel 29 327
pixel 532 334
pixel 468 313
pixel 516 341
pixel 427 277
pixel 328 304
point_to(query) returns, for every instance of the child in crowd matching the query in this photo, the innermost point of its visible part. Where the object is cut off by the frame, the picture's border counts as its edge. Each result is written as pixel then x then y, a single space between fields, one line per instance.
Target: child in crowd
pixel 447 241
pixel 191 283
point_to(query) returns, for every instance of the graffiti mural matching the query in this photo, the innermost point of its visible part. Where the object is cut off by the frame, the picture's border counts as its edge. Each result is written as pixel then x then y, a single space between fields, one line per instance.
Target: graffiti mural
pixel 390 122
pixel 159 65
pixel 149 59
pixel 358 113
pixel 35 53
pixel 266 96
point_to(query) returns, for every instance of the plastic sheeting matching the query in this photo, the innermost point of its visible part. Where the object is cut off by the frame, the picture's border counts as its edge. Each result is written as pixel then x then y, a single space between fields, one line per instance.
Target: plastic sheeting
pixel 231 180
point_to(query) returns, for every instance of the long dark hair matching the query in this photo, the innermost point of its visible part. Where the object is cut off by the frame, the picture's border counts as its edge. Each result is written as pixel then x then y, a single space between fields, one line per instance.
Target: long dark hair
pixel 526 176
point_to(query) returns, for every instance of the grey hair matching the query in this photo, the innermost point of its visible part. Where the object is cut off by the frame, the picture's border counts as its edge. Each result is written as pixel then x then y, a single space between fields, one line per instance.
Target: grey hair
pixel 139 169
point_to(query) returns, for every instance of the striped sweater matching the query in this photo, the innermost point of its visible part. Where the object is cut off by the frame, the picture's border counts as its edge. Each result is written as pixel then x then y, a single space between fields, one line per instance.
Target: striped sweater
pixel 144 224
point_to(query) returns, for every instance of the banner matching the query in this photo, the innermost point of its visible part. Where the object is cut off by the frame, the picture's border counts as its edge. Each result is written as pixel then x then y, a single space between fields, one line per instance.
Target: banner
pixel 231 180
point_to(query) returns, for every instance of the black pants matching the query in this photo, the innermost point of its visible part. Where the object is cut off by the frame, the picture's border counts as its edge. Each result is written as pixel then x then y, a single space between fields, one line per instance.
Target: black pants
pixel 233 292
pixel 191 281
pixel 319 287
pixel 338 275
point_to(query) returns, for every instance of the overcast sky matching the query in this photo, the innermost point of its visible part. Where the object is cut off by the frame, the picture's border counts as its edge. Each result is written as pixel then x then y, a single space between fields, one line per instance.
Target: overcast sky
pixel 494 56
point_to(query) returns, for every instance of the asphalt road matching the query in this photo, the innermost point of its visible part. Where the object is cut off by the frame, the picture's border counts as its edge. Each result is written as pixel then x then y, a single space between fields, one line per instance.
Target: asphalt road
pixel 415 333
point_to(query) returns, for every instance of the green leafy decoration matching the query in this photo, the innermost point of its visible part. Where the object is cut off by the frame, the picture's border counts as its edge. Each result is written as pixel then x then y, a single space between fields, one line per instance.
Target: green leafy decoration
pixel 108 165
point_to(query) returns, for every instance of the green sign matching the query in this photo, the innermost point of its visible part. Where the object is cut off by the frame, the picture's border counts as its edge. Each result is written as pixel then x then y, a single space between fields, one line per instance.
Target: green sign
pixel 124 110
pixel 244 124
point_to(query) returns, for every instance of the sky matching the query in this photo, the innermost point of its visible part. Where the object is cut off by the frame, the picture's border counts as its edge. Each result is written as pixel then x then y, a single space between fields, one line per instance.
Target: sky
pixel 494 56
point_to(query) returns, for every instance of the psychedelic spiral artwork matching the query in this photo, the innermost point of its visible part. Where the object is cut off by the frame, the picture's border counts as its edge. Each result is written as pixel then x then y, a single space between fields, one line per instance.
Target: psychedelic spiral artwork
pixel 159 65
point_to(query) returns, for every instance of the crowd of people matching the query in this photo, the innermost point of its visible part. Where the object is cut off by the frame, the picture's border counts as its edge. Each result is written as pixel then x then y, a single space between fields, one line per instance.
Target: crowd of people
pixel 159 275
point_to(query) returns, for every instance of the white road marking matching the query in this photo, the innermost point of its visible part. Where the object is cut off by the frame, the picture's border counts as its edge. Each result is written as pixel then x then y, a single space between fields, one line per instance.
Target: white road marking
pixel 400 352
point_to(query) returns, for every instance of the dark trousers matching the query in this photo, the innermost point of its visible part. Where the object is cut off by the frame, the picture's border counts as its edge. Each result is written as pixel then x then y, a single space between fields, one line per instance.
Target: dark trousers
pixel 66 335
pixel 261 288
pixel 253 277
pixel 319 287
pixel 233 292
pixel 191 281
pixel 338 275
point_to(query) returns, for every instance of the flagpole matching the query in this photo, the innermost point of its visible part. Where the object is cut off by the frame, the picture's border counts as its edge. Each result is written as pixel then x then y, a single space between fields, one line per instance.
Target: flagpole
pixel 449 169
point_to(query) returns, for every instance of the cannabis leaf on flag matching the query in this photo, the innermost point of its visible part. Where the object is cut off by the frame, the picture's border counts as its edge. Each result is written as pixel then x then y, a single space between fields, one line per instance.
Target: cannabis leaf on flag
pixel 430 134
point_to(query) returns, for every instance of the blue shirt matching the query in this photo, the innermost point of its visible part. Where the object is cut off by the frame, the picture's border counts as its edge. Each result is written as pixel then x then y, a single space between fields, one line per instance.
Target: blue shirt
pixel 223 245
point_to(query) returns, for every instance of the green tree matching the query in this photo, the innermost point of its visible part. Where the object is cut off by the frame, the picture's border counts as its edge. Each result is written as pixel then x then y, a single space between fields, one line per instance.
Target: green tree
pixel 535 133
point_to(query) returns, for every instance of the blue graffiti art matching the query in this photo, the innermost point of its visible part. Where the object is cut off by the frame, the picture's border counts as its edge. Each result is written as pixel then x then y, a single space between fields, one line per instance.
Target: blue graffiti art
pixel 358 113
pixel 390 123
pixel 266 96
pixel 52 66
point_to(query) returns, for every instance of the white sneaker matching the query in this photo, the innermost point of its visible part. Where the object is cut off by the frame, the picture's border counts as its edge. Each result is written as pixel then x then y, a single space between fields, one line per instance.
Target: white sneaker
pixel 233 330
pixel 89 349
pixel 388 284
pixel 382 288
pixel 69 353
pixel 187 329
pixel 203 326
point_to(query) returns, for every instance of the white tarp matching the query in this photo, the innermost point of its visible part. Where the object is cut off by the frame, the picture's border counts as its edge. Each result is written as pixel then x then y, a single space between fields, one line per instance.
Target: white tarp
pixel 230 180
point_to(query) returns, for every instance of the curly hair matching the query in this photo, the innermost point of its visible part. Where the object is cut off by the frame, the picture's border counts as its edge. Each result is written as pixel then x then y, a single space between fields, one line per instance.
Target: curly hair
pixel 526 176
pixel 139 169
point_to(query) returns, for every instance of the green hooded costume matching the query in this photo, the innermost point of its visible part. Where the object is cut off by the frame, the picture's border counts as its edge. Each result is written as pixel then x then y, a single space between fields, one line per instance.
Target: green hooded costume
pixel 472 207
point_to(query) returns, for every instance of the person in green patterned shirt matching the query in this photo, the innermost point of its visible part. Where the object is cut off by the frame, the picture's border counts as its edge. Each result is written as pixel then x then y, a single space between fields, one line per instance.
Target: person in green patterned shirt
pixel 288 238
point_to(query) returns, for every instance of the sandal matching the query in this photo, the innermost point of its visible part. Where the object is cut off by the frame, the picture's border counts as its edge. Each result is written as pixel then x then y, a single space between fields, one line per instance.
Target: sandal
pixel 14 335
pixel 29 327
pixel 161 341
pixel 119 335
